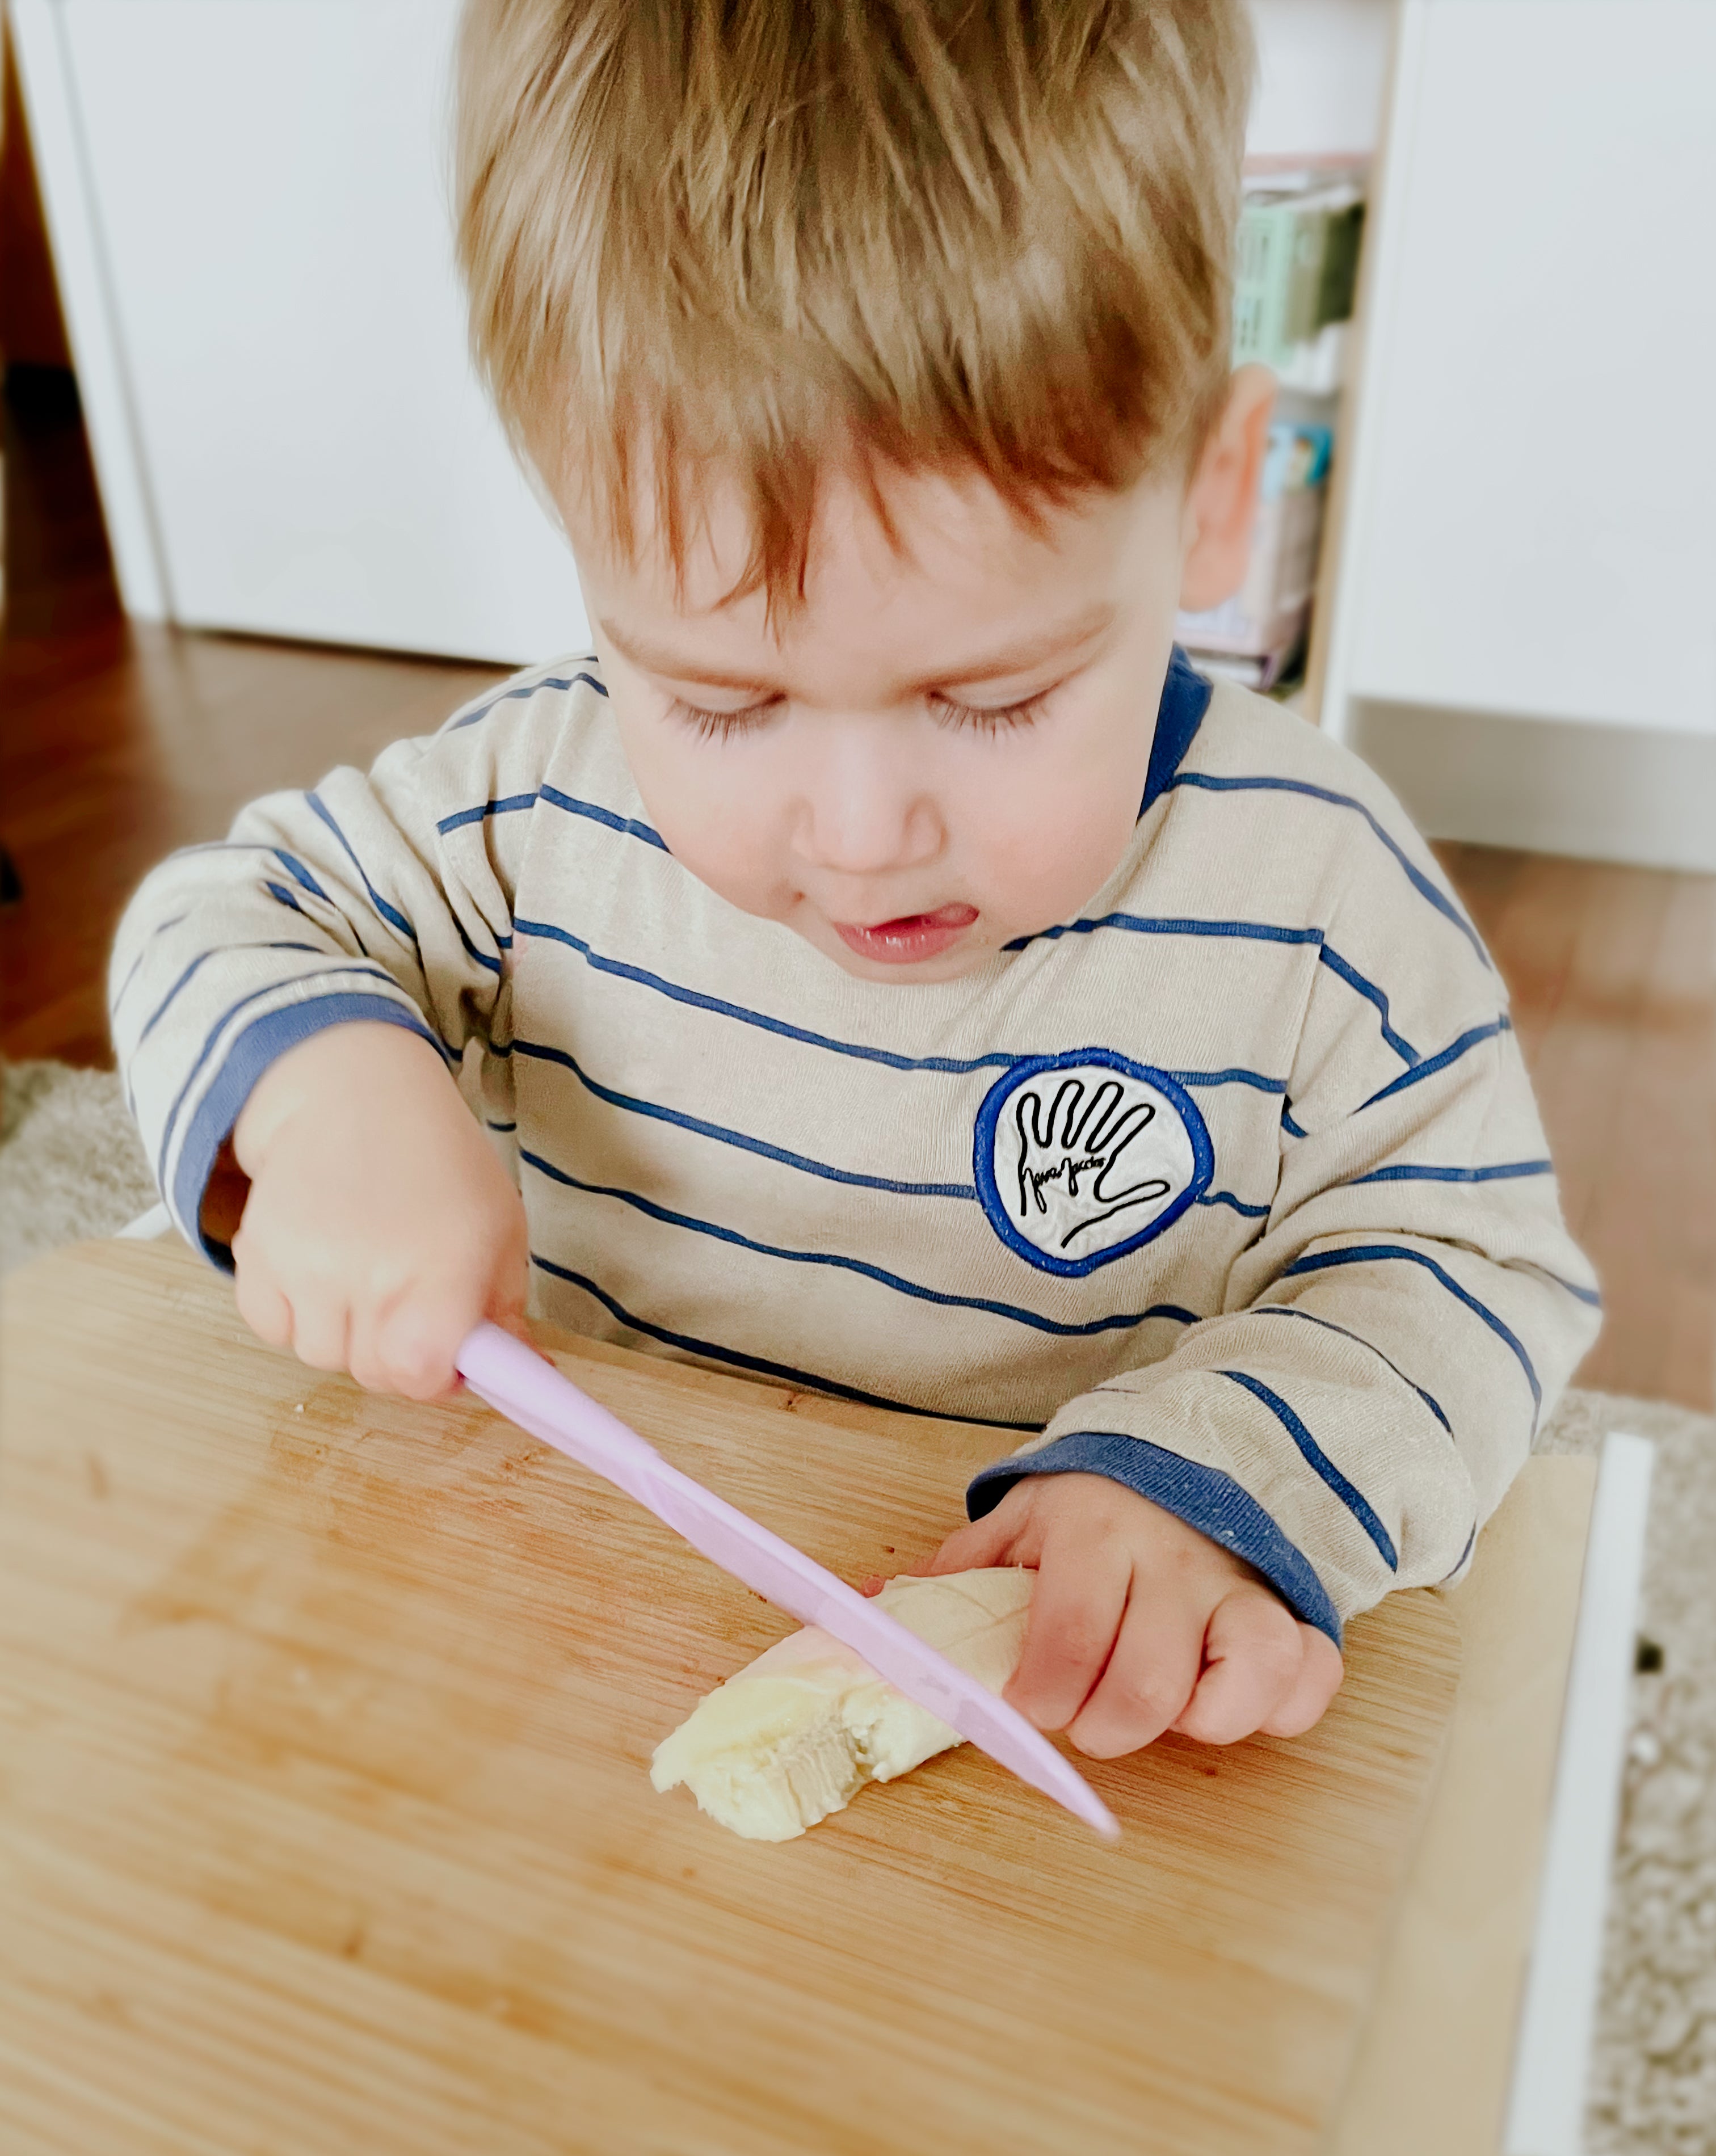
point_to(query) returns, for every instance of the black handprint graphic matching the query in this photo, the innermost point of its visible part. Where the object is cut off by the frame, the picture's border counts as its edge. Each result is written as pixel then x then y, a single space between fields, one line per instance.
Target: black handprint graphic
pixel 1080 1135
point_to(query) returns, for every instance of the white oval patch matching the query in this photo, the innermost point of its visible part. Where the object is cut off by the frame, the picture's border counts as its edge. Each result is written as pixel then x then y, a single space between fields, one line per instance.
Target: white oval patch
pixel 1081 1157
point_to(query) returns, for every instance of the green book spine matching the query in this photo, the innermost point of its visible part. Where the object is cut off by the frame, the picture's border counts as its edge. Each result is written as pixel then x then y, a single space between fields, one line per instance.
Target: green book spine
pixel 1262 280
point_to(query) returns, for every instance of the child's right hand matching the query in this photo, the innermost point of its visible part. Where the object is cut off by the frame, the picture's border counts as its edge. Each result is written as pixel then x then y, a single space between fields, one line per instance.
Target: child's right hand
pixel 380 1226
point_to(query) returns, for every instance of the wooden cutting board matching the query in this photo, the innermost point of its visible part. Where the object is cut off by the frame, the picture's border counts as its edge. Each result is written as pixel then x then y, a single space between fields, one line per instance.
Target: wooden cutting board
pixel 324 1823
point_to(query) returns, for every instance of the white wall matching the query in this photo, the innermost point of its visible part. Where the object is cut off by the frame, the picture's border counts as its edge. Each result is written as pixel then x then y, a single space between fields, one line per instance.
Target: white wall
pixel 1322 77
pixel 1531 527
pixel 298 435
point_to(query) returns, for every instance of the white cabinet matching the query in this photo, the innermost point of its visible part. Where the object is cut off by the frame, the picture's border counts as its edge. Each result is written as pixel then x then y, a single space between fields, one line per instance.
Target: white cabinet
pixel 293 442
pixel 1533 525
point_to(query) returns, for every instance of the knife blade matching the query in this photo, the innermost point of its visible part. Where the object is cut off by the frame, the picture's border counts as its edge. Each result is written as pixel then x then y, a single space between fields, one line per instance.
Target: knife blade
pixel 518 1384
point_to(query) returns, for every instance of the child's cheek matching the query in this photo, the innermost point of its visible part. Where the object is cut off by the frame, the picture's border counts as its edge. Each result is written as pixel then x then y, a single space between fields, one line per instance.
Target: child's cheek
pixel 1046 849
pixel 712 815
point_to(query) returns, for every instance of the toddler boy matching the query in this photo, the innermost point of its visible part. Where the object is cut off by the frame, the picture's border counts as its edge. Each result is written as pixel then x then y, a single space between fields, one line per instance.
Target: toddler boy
pixel 883 965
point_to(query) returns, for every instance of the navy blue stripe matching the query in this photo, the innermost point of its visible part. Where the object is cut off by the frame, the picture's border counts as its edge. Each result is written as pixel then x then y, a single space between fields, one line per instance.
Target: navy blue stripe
pixel 1147 924
pixel 1249 931
pixel 527 689
pixel 1354 979
pixel 389 913
pixel 1232 1077
pixel 541 1053
pixel 203 957
pixel 740 1360
pixel 1204 1497
pixel 955 1064
pixel 1292 1129
pixel 300 874
pixel 1502 1172
pixel 1367 1253
pixel 160 928
pixel 598 814
pixel 500 1127
pixel 1318 1458
pixel 271 987
pixel 482 958
pixel 155 1016
pixel 1585 1294
pixel 1415 875
pixel 1460 1559
pixel 569 803
pixel 512 802
pixel 1328 1325
pixel 281 897
pixel 1439 1061
pixel 1238 1204
pixel 951 1065
pixel 261 1043
pixel 1124 1322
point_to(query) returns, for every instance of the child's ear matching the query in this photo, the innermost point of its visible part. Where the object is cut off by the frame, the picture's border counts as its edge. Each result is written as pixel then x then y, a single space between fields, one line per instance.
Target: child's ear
pixel 1221 502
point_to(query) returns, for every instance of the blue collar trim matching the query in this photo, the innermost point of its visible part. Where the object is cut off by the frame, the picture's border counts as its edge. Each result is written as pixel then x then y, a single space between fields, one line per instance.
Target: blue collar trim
pixel 1185 698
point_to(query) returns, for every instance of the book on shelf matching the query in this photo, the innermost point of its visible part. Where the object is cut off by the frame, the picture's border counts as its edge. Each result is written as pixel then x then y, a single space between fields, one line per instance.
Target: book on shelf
pixel 1254 636
pixel 1296 267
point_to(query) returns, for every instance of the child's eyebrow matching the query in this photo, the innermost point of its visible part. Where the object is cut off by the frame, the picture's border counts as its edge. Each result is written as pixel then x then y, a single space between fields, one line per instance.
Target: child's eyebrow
pixel 1061 641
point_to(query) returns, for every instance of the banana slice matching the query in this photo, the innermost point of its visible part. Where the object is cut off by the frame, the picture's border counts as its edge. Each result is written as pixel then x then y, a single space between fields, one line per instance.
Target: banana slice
pixel 797 1733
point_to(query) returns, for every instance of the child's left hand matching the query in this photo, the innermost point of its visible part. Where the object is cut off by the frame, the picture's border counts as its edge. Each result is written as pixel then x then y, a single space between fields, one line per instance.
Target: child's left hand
pixel 1139 1624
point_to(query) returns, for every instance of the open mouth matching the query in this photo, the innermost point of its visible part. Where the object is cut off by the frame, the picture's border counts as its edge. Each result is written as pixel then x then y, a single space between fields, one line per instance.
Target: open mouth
pixel 911 936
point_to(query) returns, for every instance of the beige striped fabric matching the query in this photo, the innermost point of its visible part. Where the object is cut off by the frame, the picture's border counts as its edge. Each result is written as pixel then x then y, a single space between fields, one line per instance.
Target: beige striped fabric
pixel 1231 1188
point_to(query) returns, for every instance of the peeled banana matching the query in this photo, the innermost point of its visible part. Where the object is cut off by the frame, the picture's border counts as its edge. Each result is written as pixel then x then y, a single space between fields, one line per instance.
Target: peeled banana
pixel 796 1734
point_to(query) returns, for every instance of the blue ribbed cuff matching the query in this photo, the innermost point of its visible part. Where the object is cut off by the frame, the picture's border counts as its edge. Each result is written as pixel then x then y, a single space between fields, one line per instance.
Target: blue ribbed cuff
pixel 261 1044
pixel 1204 1497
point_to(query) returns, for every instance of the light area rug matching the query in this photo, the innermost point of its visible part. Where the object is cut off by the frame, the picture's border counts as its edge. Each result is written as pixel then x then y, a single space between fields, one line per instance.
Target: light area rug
pixel 71 1167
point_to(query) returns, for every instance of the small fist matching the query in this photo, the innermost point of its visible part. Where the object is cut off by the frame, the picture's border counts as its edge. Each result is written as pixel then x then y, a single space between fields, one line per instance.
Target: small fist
pixel 1140 1624
pixel 379 1225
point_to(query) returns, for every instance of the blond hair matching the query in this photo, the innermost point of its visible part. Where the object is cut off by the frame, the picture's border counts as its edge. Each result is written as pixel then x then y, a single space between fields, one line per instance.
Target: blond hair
pixel 758 237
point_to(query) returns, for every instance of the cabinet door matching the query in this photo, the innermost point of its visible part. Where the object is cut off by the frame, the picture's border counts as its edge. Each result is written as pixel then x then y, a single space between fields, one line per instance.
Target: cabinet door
pixel 269 182
pixel 1531 530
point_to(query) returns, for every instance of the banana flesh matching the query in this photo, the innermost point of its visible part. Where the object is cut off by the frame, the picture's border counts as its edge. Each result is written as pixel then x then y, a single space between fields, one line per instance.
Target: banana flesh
pixel 796 1734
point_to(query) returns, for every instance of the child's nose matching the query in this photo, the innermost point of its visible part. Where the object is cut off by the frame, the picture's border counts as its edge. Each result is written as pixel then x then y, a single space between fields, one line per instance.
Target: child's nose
pixel 867 813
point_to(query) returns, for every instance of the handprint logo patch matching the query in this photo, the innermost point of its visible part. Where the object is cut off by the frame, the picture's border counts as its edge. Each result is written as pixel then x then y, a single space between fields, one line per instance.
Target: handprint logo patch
pixel 1081 1157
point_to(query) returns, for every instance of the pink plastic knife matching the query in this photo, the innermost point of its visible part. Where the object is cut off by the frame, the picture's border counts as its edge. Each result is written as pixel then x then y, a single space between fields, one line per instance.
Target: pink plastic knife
pixel 514 1380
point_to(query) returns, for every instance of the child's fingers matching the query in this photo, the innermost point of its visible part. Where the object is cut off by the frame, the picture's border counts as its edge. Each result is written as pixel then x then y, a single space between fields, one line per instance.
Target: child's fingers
pixel 1321 1670
pixel 411 1345
pixel 1000 1538
pixel 261 1303
pixel 1150 1676
pixel 322 1333
pixel 1252 1656
pixel 1076 1610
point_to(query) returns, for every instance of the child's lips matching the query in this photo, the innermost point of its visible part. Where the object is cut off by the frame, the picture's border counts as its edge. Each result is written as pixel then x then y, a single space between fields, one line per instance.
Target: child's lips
pixel 911 936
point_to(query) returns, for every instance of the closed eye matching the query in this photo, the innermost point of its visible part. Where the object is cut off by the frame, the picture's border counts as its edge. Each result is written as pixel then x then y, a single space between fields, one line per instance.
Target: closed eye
pixel 722 726
pixel 994 718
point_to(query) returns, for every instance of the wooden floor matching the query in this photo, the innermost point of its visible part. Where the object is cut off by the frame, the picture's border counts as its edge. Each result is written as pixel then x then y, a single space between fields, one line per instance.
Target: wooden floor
pixel 121 741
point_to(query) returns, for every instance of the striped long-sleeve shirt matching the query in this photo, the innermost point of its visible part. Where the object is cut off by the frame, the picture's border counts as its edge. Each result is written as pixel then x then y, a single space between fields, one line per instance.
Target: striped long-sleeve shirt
pixel 1231 1188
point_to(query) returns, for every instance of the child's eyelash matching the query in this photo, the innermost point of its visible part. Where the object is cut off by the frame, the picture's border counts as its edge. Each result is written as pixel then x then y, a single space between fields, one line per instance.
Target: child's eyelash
pixel 1002 719
pixel 725 726
pixel 719 726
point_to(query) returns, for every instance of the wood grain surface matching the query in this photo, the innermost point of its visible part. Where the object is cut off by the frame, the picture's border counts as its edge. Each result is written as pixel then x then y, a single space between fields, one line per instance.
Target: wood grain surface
pixel 326 1822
